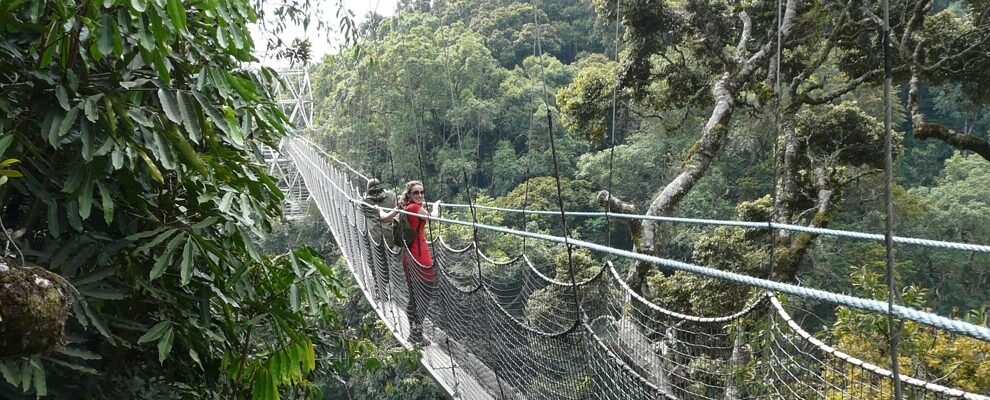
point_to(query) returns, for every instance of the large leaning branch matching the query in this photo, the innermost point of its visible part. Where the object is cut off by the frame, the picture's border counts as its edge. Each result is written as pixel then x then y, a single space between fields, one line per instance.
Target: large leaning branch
pixel 709 142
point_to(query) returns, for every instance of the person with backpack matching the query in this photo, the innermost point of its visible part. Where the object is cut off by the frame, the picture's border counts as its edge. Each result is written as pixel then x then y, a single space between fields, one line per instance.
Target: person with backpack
pixel 417 262
pixel 380 225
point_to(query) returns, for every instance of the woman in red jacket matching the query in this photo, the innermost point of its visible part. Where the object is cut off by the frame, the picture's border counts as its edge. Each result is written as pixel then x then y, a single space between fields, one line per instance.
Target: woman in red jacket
pixel 417 262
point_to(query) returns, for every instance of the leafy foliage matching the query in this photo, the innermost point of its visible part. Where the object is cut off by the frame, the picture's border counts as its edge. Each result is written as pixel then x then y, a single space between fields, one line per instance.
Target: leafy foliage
pixel 138 130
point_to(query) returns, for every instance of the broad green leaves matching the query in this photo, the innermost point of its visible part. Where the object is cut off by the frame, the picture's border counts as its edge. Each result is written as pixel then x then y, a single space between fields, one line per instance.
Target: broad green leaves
pixel 131 121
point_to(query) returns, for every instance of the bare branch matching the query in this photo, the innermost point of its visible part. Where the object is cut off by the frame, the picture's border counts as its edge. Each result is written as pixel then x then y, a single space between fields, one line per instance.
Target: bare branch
pixel 744 37
pixel 958 140
pixel 614 204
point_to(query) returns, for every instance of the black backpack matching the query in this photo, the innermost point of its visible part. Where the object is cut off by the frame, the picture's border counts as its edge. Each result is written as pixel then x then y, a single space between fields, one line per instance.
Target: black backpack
pixel 402 232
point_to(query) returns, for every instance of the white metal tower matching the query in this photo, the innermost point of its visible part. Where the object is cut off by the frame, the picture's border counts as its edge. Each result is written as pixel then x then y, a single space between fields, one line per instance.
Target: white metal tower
pixel 296 99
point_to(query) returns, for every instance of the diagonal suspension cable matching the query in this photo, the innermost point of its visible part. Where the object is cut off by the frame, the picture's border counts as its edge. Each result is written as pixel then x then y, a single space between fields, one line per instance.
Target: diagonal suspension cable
pixel 623 365
pixel 926 318
pixel 893 328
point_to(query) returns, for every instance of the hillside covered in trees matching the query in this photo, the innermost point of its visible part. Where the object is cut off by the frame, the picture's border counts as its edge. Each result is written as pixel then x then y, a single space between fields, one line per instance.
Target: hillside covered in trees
pixel 130 132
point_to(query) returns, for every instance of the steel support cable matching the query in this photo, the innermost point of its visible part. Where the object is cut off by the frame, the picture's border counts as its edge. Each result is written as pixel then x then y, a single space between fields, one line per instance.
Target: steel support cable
pixel 700 221
pixel 754 225
pixel 348 252
pixel 556 167
pixel 350 198
pixel 611 150
pixel 460 146
pixel 893 329
pixel 772 259
pixel 926 318
pixel 779 309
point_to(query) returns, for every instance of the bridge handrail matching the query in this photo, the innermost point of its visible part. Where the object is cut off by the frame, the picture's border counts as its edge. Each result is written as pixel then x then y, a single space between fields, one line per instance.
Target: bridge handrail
pixel 746 224
pixel 930 319
pixel 779 308
pixel 699 221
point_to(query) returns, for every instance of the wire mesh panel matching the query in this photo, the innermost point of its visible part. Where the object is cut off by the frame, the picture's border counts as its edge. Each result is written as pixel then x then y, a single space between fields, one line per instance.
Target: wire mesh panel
pixel 506 328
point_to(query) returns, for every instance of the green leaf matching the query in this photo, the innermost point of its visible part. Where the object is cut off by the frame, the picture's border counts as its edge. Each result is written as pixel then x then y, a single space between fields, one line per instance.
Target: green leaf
pixel 170 105
pixel 145 40
pixel 63 97
pixel 138 116
pixel 161 147
pixel 40 386
pixel 187 151
pixel 9 374
pixel 165 345
pixel 187 261
pixel 86 137
pixel 54 122
pixel 225 202
pixel 104 42
pixel 155 332
pixel 46 56
pixel 162 68
pixel 26 374
pixel 67 122
pixel 212 112
pixel 195 357
pixel 290 369
pixel 158 28
pixel 73 366
pixel 75 352
pixel 275 366
pixel 97 320
pixel 190 118
pixel 314 304
pixel 117 157
pixel 5 142
pixel 156 174
pixel 236 136
pixel 139 5
pixel 95 277
pixel 294 297
pixel 102 294
pixel 159 269
pixel 118 40
pixel 74 181
pixel 106 200
pixel 53 224
pixel 177 14
pixel 310 353
pixel 86 198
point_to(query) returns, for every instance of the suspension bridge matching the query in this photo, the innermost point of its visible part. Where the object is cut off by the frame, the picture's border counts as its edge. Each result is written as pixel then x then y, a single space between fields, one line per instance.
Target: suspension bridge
pixel 506 328
pixel 488 340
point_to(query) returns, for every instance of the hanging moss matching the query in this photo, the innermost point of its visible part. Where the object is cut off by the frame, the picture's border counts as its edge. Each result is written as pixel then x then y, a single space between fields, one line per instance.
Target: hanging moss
pixel 33 308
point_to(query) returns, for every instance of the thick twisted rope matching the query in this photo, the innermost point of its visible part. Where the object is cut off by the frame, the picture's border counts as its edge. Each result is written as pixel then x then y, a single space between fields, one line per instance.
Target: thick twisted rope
pixel 926 318
pixel 753 225
pixel 699 221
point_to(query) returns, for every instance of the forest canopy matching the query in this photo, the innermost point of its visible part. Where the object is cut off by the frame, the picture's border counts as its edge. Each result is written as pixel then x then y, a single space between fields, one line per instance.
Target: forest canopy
pixel 131 134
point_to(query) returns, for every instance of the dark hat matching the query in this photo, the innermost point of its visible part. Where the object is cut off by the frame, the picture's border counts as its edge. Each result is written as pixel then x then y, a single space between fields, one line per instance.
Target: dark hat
pixel 375 185
pixel 376 190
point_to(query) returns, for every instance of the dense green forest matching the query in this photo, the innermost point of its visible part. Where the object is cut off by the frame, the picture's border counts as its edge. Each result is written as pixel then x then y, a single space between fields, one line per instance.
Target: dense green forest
pixel 131 131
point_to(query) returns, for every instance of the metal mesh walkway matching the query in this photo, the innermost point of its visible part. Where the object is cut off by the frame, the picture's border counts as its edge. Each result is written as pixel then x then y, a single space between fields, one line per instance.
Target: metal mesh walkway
pixel 506 329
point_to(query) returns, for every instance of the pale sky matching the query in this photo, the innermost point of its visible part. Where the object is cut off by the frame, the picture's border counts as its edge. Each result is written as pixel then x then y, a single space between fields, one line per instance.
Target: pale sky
pixel 320 43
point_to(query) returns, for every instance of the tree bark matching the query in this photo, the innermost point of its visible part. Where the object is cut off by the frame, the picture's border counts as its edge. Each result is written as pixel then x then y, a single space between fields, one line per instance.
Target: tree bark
pixel 713 135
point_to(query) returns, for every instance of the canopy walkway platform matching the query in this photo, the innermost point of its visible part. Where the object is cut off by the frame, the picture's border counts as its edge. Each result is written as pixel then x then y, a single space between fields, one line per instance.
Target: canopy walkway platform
pixel 487 339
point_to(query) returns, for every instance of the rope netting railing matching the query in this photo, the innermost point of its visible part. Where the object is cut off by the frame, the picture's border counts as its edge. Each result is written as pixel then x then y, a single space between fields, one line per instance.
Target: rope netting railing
pixel 974 247
pixel 506 327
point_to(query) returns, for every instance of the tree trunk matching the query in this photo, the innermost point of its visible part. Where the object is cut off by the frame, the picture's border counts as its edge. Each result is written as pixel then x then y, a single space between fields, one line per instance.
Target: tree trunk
pixel 698 160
